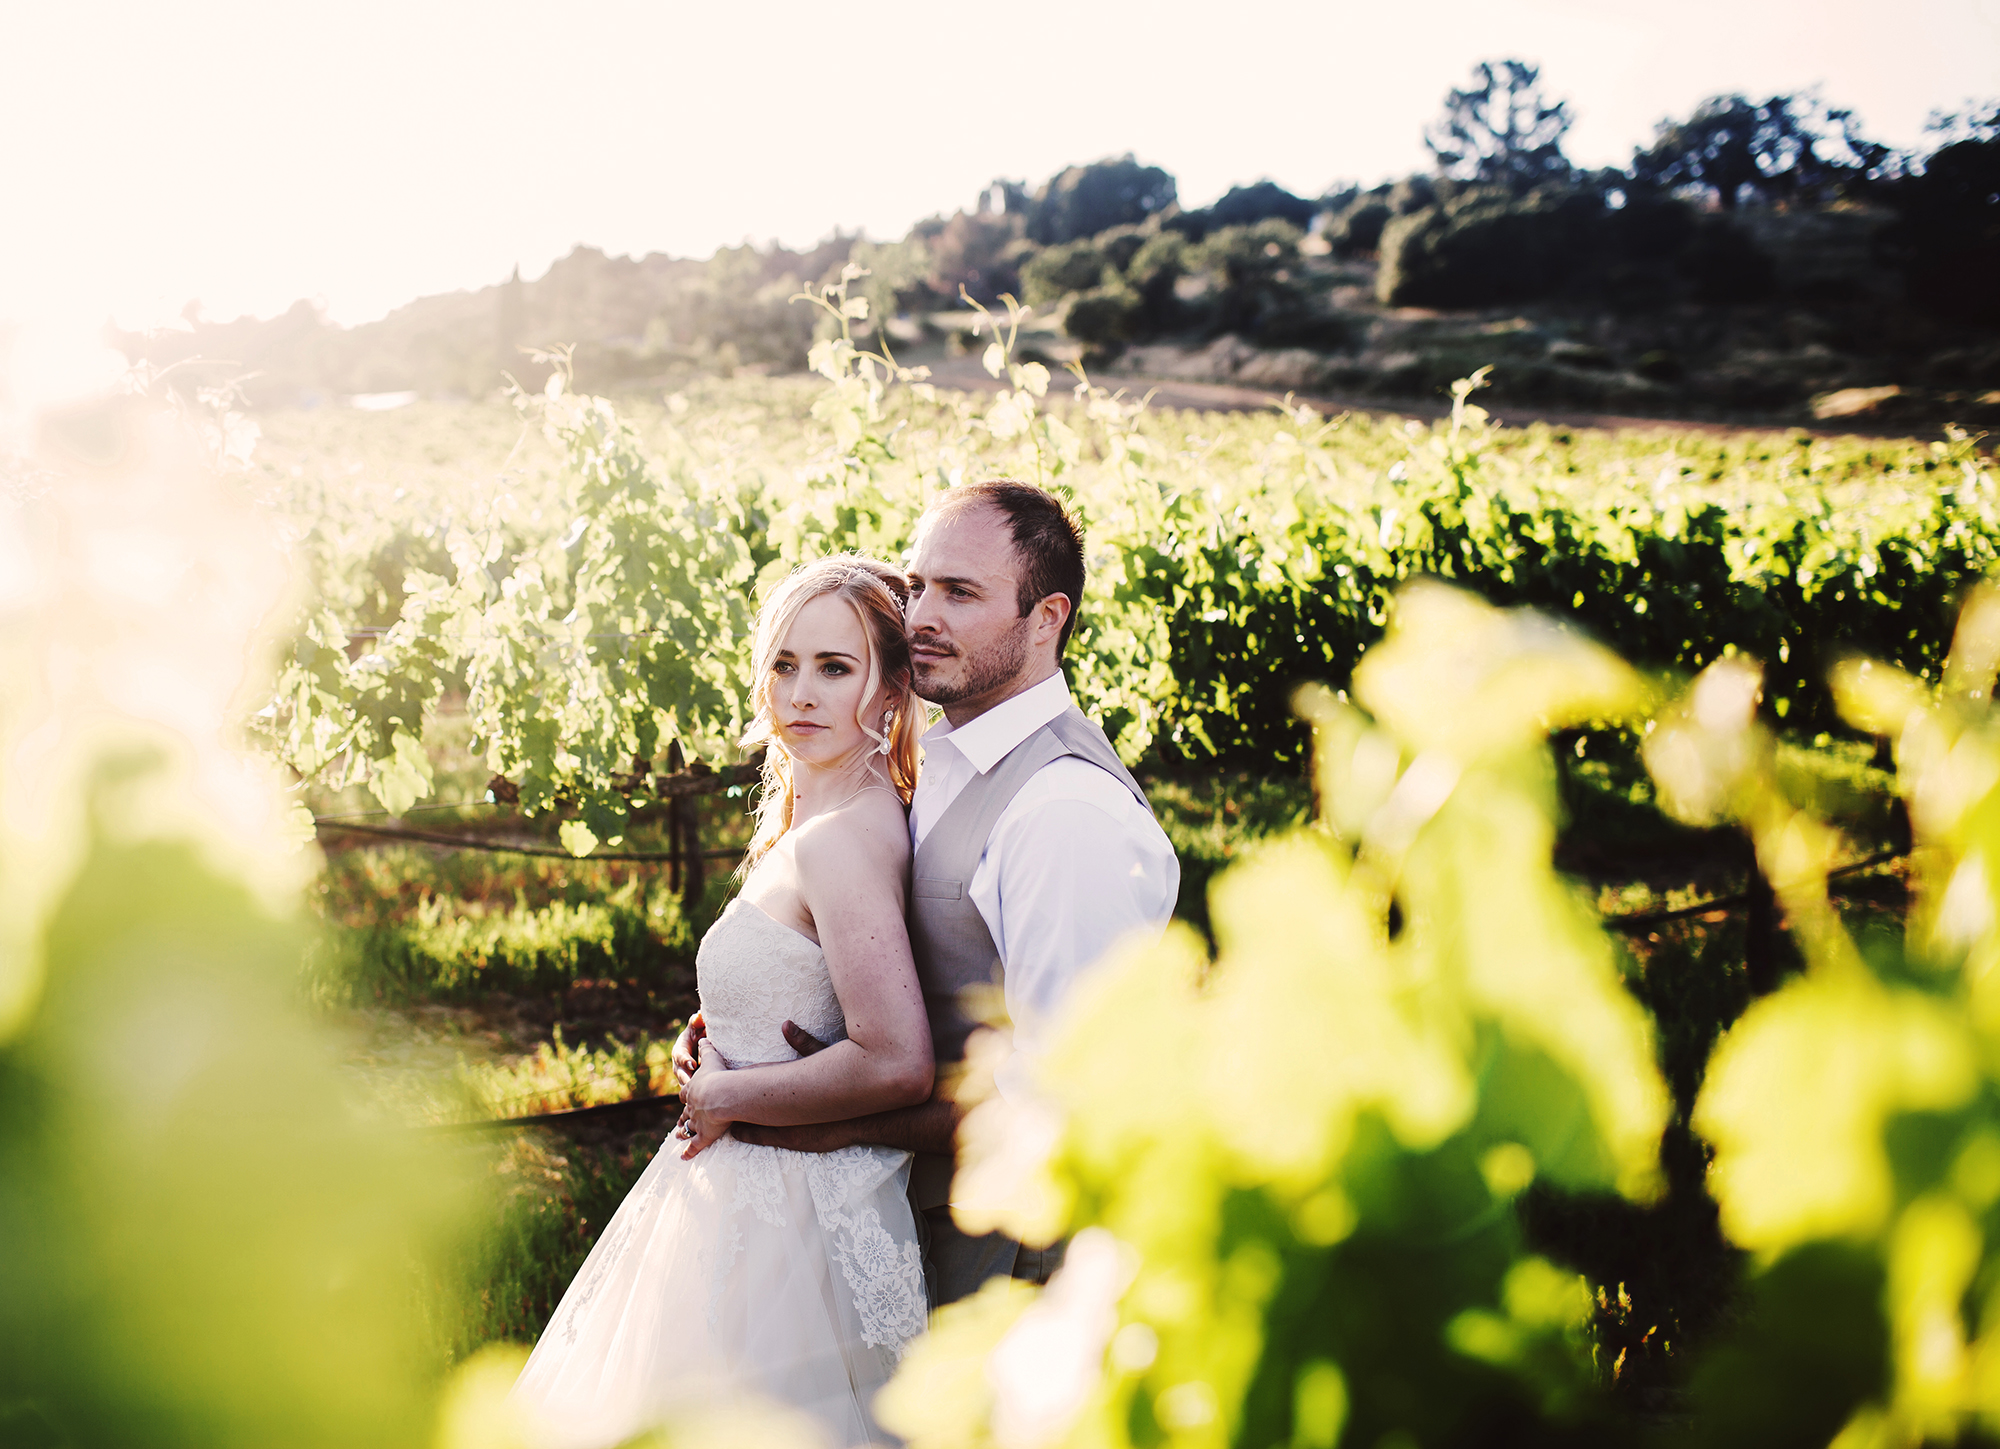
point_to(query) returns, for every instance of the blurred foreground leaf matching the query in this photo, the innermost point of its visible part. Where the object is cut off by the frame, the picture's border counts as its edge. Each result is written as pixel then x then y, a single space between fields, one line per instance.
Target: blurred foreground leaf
pixel 1304 1153
pixel 1855 1113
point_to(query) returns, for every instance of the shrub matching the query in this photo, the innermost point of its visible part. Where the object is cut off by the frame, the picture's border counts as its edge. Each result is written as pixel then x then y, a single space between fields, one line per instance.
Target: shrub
pixel 1638 243
pixel 1947 236
pixel 1057 271
pixel 1648 227
pixel 1105 316
pixel 1417 191
pixel 1487 245
pixel 1725 265
pixel 1256 272
pixel 1121 244
pixel 1152 272
pixel 1357 229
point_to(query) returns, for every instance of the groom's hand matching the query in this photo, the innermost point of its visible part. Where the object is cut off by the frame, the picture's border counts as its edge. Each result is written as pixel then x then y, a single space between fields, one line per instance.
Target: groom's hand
pixel 801 1041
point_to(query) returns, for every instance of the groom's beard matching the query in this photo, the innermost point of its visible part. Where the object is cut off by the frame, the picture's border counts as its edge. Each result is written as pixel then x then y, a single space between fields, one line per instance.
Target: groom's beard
pixel 979 673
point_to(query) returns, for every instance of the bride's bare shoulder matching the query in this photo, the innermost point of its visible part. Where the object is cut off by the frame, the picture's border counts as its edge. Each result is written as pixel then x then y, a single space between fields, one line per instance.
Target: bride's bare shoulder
pixel 868 831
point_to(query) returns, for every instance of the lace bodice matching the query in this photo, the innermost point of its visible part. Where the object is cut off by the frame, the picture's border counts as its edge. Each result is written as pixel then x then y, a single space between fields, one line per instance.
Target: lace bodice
pixel 755 975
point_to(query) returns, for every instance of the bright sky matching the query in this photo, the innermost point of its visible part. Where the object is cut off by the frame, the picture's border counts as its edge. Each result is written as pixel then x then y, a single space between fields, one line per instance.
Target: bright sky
pixel 370 151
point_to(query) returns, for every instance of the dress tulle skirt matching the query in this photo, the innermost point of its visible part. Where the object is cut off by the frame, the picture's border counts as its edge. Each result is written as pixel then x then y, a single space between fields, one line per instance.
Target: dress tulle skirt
pixel 748 1270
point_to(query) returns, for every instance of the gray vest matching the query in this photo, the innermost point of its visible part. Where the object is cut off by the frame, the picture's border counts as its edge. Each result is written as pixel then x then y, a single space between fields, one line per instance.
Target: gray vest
pixel 952 946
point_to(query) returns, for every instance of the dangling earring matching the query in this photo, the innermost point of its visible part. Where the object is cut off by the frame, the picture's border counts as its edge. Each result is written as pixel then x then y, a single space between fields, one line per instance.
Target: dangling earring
pixel 888 724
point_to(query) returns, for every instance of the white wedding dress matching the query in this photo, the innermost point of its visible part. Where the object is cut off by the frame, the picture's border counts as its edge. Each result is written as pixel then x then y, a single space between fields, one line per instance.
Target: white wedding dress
pixel 748 1270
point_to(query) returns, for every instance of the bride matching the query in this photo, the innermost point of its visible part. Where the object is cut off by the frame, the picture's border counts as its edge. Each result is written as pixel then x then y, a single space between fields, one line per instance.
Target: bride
pixel 733 1269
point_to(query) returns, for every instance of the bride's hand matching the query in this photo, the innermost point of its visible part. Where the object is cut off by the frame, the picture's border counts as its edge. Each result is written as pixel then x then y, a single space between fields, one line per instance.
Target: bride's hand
pixel 702 1123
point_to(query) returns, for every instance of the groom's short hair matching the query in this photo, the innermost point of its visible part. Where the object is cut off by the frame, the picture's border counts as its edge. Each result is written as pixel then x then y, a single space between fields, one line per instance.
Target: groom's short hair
pixel 1047 538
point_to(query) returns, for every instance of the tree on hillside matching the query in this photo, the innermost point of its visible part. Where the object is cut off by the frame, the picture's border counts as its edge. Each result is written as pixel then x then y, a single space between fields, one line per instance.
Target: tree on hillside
pixel 1788 149
pixel 1085 200
pixel 1501 130
pixel 1975 121
pixel 1244 206
pixel 976 250
pixel 1262 201
pixel 1005 198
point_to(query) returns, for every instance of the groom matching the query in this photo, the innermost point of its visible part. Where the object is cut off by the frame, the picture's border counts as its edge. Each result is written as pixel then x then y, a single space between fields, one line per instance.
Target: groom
pixel 1035 849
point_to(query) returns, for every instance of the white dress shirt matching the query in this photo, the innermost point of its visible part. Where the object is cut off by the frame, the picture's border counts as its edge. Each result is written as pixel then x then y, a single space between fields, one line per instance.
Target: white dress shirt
pixel 1074 863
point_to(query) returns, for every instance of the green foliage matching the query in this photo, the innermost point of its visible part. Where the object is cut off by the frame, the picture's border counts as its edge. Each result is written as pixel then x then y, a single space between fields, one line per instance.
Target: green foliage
pixel 206 1244
pixel 1854 1112
pixel 631 318
pixel 578 656
pixel 1123 285
pixel 1233 558
pixel 1261 201
pixel 1482 245
pixel 559 1077
pixel 205 1248
pixel 1435 1011
pixel 1312 1240
pixel 1348 1270
pixel 211 1260
pixel 444 953
pixel 547 1205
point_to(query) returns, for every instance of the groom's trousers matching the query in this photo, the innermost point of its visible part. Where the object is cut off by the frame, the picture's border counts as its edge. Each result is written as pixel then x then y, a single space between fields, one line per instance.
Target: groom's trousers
pixel 957 1264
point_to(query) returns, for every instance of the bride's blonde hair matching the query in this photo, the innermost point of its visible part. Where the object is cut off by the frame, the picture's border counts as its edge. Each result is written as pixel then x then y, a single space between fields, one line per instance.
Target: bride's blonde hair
pixel 878 595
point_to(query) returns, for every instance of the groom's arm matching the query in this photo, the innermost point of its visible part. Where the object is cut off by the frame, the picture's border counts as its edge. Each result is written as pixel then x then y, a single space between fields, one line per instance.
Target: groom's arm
pixel 926 1127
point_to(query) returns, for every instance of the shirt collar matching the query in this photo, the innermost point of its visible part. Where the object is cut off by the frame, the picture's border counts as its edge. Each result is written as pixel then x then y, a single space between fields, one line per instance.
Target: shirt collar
pixel 986 740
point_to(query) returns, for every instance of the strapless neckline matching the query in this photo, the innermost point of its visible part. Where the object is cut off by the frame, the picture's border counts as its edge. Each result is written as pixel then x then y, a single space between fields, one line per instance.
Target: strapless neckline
pixel 755 973
pixel 758 910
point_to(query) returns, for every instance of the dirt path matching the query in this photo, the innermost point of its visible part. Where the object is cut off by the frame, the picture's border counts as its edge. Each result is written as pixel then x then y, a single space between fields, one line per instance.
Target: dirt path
pixel 966 375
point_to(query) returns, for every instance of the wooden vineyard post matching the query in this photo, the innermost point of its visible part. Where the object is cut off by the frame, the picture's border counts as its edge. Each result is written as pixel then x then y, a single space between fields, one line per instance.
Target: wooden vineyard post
pixel 1760 936
pixel 676 807
pixel 687 829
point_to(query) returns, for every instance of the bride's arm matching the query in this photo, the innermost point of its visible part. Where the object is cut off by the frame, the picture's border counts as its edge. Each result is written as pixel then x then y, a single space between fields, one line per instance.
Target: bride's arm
pixel 852 877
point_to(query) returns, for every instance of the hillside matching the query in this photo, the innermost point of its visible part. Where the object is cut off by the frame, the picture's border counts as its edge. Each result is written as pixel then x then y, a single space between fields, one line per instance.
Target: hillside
pixel 1758 263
